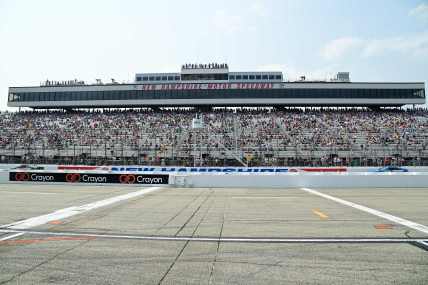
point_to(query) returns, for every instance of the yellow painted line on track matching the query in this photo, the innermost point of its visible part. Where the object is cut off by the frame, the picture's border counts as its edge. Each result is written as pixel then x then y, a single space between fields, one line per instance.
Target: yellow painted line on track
pixel 320 214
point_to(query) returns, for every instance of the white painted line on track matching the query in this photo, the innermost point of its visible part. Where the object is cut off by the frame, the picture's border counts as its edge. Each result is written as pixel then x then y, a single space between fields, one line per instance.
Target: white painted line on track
pixel 263 197
pixel 223 239
pixel 22 192
pixel 11 236
pixel 395 219
pixel 75 210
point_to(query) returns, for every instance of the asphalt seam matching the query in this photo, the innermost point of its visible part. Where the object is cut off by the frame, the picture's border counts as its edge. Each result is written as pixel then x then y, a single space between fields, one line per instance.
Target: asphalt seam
pixel 193 214
pixel 179 212
pixel 42 263
pixel 218 246
pixel 187 242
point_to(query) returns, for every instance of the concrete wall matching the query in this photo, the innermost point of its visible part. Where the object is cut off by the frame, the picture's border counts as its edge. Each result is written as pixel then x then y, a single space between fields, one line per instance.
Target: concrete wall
pixel 297 180
pixel 290 180
pixel 4 177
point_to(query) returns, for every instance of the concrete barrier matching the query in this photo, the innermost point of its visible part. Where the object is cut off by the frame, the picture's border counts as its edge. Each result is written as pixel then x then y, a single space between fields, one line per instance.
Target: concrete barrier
pixel 298 180
pixel 285 180
pixel 4 177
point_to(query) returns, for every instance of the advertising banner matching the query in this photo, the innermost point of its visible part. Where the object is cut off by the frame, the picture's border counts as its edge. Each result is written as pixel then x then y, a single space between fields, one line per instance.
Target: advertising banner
pixel 42 177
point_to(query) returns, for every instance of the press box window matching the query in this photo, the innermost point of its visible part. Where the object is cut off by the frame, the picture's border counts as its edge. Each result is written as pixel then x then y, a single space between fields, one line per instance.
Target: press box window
pixel 231 77
pixel 245 77
pixel 264 77
pixel 258 77
pixel 252 77
pixel 145 78
pixel 138 78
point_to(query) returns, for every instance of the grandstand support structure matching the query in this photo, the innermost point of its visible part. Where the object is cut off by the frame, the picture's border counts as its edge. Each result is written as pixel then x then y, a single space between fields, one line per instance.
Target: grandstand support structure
pixel 197 147
pixel 232 153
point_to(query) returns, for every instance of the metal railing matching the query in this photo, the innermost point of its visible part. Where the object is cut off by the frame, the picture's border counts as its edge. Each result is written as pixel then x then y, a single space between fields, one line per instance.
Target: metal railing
pixel 215 155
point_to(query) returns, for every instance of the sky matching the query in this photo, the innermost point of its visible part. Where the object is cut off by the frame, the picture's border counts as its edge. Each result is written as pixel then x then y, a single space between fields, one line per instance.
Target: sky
pixel 375 40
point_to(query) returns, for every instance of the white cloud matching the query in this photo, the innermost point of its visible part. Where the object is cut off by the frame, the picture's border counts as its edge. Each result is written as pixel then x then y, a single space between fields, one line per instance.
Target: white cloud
pixel 420 12
pixel 414 45
pixel 340 47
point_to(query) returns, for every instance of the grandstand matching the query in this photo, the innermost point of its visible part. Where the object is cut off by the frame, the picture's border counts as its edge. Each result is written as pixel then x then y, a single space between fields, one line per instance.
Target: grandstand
pixel 78 123
pixel 229 137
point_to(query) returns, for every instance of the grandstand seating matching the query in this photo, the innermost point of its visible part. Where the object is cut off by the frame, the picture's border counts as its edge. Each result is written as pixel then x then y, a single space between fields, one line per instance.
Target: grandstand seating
pixel 264 136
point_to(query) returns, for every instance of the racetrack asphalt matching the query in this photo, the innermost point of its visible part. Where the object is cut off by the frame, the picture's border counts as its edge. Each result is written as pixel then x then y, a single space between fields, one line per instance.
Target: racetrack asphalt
pixel 247 236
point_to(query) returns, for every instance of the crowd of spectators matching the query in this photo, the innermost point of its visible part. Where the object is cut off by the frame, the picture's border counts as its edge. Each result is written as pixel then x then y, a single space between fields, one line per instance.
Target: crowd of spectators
pixel 170 133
